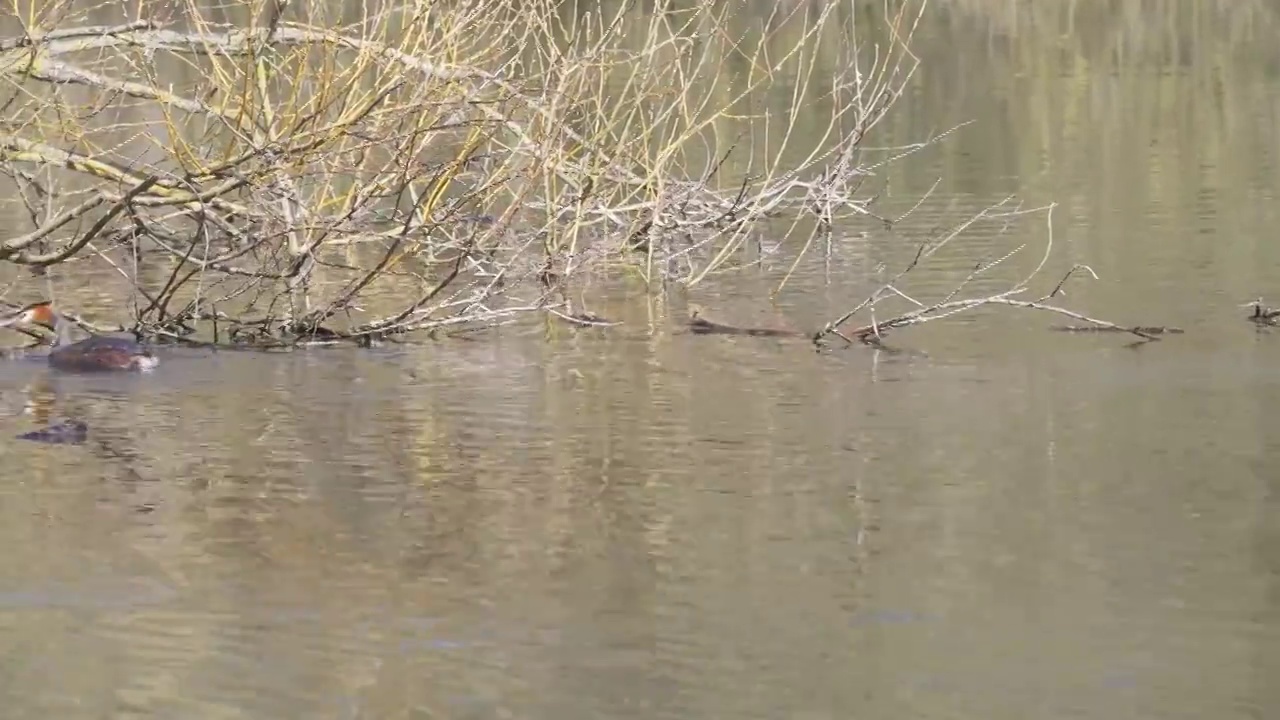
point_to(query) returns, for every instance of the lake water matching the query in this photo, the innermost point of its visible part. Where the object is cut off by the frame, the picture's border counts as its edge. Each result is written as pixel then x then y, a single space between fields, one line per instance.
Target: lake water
pixel 638 522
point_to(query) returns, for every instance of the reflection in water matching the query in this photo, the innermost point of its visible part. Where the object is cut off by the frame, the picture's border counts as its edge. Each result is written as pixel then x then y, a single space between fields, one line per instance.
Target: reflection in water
pixel 482 540
pixel 643 522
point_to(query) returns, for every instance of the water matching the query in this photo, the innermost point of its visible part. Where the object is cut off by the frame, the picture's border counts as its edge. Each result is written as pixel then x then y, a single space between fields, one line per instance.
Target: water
pixel 547 522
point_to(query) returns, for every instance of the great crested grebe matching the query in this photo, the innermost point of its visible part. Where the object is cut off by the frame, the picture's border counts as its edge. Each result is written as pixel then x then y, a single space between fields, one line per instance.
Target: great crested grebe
pixel 94 353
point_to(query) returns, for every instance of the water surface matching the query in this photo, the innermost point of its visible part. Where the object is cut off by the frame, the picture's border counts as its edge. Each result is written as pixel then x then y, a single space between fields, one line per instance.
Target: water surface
pixel 547 522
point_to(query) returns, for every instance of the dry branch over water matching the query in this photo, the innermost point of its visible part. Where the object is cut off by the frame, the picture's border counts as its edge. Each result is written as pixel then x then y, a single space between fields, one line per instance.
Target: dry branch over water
pixel 430 168
pixel 1016 294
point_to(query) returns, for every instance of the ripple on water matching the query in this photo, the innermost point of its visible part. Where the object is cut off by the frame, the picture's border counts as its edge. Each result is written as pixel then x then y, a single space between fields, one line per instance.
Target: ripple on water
pixel 101 594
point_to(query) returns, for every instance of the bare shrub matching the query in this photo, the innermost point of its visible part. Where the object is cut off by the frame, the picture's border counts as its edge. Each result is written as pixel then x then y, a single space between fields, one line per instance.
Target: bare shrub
pixel 294 177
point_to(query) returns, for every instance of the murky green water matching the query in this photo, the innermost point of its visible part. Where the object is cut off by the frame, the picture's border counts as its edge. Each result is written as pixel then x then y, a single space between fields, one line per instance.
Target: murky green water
pixel 546 522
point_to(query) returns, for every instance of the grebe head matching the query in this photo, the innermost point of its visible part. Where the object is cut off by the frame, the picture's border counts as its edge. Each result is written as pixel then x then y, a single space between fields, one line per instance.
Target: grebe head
pixel 40 313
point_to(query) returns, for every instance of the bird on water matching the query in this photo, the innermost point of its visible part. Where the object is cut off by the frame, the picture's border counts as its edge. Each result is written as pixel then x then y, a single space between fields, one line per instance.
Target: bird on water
pixel 94 353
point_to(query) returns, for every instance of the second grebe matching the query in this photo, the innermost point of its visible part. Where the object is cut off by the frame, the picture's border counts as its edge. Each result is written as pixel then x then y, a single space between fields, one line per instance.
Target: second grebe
pixel 94 353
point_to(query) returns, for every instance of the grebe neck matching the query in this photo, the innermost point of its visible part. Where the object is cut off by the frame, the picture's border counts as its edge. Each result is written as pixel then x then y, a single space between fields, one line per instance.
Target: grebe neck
pixel 61 330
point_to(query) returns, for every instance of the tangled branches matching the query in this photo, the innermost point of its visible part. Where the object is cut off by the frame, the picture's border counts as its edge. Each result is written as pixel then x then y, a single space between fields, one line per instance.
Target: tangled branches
pixel 293 182
pixel 425 168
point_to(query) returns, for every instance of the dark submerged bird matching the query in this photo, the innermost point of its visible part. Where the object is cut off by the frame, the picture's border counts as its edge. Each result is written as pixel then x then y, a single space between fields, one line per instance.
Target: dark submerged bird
pixel 68 432
pixel 94 353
